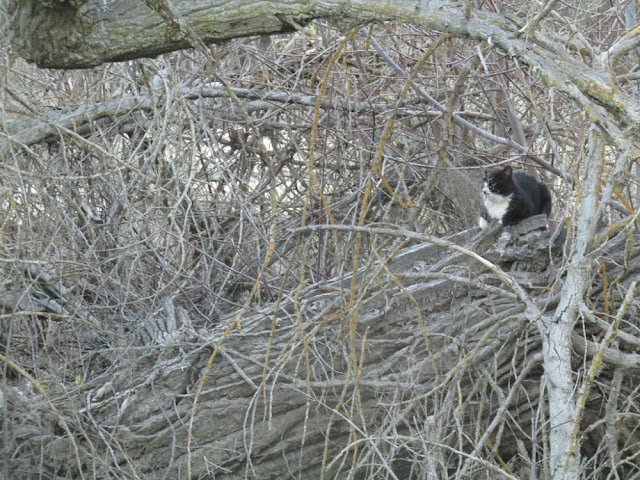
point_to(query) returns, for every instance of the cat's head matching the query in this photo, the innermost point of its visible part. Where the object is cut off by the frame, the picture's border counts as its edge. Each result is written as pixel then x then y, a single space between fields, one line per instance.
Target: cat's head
pixel 499 182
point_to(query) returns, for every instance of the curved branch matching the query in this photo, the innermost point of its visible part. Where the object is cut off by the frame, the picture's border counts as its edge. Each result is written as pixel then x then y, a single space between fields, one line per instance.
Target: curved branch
pixel 43 125
pixel 123 30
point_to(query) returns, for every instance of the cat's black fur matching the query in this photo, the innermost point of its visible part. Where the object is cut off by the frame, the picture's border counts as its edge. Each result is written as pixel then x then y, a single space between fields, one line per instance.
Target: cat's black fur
pixel 510 197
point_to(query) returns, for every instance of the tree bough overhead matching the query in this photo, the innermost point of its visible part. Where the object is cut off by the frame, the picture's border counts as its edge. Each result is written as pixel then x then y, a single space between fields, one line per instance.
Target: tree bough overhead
pixel 242 242
pixel 97 32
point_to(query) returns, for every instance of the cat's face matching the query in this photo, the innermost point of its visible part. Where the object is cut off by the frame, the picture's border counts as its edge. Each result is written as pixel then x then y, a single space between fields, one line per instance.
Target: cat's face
pixel 498 182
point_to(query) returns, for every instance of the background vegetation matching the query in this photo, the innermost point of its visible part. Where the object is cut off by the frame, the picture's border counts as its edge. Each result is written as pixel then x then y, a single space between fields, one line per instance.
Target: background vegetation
pixel 149 208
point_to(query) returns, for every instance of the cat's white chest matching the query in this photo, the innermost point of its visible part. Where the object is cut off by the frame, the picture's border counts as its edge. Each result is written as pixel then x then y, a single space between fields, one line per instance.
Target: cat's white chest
pixel 496 205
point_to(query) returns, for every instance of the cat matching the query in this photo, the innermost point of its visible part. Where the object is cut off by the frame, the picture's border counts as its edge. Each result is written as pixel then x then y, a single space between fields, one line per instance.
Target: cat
pixel 510 197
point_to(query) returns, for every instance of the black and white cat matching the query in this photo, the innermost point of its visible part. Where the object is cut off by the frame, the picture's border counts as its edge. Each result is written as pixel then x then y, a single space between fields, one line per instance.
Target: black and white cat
pixel 510 197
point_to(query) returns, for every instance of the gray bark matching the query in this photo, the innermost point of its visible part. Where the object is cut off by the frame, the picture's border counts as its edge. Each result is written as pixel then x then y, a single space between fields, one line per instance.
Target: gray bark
pixel 120 30
pixel 283 396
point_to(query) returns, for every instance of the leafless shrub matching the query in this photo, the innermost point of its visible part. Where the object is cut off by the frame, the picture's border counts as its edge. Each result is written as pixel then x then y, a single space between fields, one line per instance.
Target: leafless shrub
pixel 145 204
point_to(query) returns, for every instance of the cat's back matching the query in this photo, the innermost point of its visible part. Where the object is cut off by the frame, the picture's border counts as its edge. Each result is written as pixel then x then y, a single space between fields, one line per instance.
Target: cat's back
pixel 526 181
pixel 537 192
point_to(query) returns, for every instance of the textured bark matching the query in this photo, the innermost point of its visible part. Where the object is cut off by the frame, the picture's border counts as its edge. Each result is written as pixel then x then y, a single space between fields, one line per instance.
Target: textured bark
pixel 122 30
pixel 283 396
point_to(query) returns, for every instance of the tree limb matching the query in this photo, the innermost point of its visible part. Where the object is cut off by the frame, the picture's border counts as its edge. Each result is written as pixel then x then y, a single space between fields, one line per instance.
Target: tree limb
pixel 124 30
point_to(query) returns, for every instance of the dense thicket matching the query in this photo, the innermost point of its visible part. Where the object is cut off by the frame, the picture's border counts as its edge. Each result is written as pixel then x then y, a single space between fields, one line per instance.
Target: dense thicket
pixel 260 259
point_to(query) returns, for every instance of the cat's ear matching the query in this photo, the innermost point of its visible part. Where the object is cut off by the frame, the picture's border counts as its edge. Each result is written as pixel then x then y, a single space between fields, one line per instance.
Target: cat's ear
pixel 508 171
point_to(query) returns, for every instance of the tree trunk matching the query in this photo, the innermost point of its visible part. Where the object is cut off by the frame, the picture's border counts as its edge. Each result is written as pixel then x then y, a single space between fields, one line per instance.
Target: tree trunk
pixel 443 351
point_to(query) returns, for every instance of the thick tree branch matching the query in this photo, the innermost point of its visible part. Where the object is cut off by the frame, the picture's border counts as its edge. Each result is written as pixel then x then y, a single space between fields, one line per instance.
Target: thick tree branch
pixel 42 126
pixel 122 30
